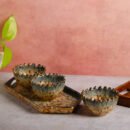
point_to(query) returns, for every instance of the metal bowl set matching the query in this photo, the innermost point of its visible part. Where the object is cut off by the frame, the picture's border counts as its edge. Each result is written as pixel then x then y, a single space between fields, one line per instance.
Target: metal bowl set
pixel 33 77
pixel 99 100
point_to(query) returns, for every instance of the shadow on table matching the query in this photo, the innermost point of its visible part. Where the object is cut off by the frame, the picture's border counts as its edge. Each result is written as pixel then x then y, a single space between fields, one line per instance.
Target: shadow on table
pixel 83 111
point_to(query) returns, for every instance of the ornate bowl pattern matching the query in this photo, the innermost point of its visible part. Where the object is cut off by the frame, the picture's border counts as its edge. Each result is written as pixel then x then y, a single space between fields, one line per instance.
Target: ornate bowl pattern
pixel 24 73
pixel 100 100
pixel 48 86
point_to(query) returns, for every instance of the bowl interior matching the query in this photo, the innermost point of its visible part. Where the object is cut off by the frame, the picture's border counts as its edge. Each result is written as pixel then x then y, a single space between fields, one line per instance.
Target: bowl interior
pixel 48 80
pixel 29 69
pixel 100 94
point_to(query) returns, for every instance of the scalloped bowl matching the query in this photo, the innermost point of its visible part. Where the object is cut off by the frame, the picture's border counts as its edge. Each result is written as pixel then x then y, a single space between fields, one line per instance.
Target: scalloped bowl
pixel 24 73
pixel 47 87
pixel 100 101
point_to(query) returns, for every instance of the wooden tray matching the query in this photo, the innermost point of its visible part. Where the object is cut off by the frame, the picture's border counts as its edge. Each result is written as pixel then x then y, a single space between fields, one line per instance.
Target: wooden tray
pixel 124 99
pixel 67 101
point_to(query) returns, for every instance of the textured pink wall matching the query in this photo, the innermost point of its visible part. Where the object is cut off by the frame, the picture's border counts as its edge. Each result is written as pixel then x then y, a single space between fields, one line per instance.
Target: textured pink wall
pixel 71 36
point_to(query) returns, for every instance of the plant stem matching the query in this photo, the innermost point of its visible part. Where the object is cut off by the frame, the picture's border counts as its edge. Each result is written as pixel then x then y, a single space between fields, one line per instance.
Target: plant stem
pixel 2 43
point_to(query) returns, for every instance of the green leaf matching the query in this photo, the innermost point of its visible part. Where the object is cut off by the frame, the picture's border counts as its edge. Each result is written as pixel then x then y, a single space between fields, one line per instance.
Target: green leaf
pixel 9 29
pixel 7 57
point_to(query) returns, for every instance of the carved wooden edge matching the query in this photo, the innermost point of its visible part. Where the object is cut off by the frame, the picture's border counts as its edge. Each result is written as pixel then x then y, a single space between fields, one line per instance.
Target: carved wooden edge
pixel 123 87
pixel 51 109
pixel 124 99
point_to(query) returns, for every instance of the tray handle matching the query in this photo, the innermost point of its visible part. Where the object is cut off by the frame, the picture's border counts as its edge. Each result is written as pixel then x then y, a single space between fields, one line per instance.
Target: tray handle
pixel 8 83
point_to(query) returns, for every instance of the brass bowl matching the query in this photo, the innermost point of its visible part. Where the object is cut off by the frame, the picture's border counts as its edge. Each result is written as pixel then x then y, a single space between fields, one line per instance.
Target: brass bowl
pixel 24 73
pixel 49 86
pixel 100 101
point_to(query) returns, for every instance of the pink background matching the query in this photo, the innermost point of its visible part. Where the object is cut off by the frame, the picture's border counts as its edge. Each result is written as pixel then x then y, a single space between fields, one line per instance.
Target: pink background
pixel 71 36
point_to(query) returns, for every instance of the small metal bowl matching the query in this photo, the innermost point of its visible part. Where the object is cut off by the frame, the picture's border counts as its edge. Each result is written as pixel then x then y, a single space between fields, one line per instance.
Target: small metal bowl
pixel 47 87
pixel 100 101
pixel 24 73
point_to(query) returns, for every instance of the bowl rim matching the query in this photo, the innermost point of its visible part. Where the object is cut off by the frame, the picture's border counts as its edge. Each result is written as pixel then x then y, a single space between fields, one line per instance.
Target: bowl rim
pixel 100 88
pixel 60 79
pixel 17 68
